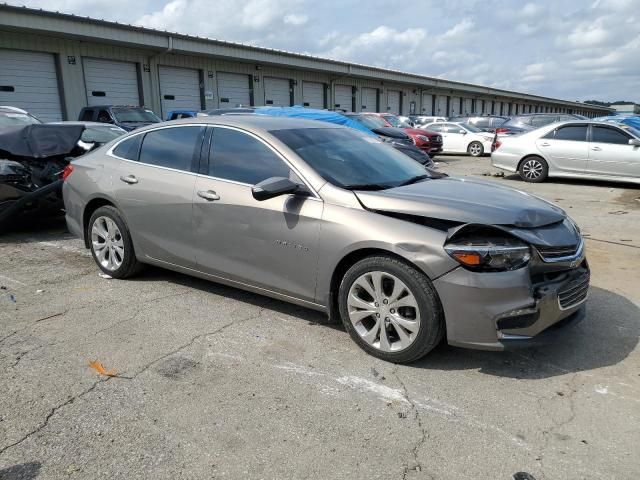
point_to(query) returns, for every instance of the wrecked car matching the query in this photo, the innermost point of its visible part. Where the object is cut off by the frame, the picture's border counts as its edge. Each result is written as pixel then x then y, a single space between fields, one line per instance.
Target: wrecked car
pixel 32 160
pixel 333 219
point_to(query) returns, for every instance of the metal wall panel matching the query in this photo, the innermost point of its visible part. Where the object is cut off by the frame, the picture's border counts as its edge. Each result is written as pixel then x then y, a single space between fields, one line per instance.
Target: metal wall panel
pixel 28 80
pixel 110 83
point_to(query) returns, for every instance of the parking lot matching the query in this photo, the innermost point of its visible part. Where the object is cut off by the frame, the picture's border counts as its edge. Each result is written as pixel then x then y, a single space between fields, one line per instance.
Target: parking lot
pixel 214 382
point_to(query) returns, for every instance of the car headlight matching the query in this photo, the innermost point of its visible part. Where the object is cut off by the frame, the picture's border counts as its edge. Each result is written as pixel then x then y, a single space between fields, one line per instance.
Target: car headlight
pixel 423 138
pixel 493 254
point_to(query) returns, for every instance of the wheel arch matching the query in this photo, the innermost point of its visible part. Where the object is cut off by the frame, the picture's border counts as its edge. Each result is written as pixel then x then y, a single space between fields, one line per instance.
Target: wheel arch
pixel 91 206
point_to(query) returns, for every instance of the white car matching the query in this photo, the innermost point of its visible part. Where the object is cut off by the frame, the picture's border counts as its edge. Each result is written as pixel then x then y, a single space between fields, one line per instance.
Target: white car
pixel 577 149
pixel 462 138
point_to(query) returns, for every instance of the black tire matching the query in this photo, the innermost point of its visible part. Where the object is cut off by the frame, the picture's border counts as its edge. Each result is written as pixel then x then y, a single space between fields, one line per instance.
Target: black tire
pixel 527 167
pixel 130 265
pixel 475 149
pixel 432 326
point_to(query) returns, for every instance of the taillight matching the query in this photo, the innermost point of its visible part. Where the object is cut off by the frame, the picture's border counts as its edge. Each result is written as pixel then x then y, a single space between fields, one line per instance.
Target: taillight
pixel 496 145
pixel 502 130
pixel 67 171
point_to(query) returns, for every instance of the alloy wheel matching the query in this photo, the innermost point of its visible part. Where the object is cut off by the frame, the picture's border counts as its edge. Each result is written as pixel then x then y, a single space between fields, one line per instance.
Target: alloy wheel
pixel 532 169
pixel 107 243
pixel 475 149
pixel 383 311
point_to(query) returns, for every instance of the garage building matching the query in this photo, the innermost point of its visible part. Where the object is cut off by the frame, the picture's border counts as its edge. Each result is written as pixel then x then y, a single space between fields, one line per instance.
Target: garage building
pixel 54 64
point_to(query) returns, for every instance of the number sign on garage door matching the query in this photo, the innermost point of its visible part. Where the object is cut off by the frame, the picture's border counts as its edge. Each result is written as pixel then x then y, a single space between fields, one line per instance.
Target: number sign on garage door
pixel 179 89
pixel 313 94
pixel 393 102
pixel 277 92
pixel 110 83
pixel 369 100
pixel 28 80
pixel 344 97
pixel 234 90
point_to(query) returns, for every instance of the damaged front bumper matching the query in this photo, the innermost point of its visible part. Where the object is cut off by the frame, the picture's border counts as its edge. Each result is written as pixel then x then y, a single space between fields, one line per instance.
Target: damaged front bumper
pixel 494 311
pixel 44 200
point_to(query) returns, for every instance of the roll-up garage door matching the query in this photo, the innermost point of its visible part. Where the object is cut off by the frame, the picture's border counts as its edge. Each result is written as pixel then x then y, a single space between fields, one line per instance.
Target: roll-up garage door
pixel 234 89
pixel 467 106
pixel 369 100
pixel 313 94
pixel 110 83
pixel 344 97
pixel 277 92
pixel 179 89
pixel 427 104
pixel 393 102
pixel 441 106
pixel 28 80
pixel 454 106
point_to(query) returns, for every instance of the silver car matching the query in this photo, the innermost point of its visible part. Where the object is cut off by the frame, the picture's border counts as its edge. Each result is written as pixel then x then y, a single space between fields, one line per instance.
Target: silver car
pixel 330 218
pixel 577 149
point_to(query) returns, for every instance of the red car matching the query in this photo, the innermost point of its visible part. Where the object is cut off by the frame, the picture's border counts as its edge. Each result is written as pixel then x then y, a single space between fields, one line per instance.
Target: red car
pixel 430 142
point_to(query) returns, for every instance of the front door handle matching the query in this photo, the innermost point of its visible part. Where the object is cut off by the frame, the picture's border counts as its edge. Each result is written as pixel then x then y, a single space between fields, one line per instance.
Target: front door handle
pixel 209 195
pixel 597 149
pixel 130 179
pixel 545 144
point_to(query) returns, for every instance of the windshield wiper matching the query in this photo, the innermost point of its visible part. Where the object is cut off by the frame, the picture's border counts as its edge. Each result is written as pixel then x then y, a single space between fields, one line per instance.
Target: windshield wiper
pixel 415 179
pixel 366 186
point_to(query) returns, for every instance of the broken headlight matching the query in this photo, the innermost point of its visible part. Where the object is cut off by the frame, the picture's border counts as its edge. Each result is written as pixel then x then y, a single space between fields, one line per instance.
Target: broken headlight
pixel 493 254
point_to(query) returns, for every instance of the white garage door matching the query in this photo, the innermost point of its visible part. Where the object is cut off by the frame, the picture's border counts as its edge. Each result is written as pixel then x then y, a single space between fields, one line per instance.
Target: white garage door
pixel 313 94
pixel 179 89
pixel 467 106
pixel 454 106
pixel 441 106
pixel 28 80
pixel 234 89
pixel 487 107
pixel 110 83
pixel 369 100
pixel 344 98
pixel 427 104
pixel 276 92
pixel 393 102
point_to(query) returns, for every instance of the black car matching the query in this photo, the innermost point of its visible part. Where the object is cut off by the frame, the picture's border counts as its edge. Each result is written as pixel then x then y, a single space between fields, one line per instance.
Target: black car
pixel 524 123
pixel 486 123
pixel 124 116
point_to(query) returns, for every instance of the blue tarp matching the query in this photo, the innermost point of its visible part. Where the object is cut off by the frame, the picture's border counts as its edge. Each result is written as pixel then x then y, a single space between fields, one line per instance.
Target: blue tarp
pixel 631 120
pixel 312 114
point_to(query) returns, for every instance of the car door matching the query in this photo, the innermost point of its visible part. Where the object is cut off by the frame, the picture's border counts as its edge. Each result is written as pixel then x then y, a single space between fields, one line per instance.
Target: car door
pixel 611 154
pixel 453 138
pixel 566 148
pixel 154 190
pixel 271 244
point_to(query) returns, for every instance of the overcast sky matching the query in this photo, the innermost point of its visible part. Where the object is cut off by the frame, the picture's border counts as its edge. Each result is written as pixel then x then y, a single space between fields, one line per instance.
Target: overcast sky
pixel 570 49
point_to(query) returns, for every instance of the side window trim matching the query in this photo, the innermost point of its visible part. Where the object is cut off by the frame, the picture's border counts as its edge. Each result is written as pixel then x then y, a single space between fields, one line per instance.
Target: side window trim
pixel 314 193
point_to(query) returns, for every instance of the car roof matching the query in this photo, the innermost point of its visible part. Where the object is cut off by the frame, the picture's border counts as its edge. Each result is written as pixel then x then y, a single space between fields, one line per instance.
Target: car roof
pixel 8 109
pixel 86 124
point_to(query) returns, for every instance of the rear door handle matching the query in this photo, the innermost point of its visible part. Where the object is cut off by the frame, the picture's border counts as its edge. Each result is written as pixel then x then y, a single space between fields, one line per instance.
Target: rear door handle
pixel 130 179
pixel 545 144
pixel 208 195
pixel 597 149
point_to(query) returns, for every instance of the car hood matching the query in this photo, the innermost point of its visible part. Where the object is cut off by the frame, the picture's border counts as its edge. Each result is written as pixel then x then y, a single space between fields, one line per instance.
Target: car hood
pixel 390 132
pixel 418 131
pixel 465 201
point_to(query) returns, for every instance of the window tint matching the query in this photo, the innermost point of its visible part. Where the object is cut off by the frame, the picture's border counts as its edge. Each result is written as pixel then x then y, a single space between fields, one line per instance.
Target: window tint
pixel 104 117
pixel 542 120
pixel 577 133
pixel 171 147
pixel 434 127
pixel 240 157
pixel 129 148
pixel 609 135
pixel 87 115
pixel 482 122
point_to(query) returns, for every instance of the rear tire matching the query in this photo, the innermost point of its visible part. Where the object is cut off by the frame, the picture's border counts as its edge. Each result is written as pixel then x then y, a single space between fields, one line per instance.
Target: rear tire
pixel 475 149
pixel 391 309
pixel 110 243
pixel 533 169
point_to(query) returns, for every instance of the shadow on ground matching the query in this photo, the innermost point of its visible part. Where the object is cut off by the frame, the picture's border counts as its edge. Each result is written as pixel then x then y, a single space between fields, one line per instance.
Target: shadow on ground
pixel 23 471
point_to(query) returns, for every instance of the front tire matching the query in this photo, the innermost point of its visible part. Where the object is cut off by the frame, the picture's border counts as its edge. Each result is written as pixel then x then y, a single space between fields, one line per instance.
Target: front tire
pixel 475 149
pixel 390 309
pixel 533 169
pixel 110 243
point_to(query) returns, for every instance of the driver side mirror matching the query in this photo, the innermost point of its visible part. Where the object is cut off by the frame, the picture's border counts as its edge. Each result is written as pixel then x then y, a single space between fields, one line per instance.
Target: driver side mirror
pixel 635 142
pixel 462 131
pixel 273 187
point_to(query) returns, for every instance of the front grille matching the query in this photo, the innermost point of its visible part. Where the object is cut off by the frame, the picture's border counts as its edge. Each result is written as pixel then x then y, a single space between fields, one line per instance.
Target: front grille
pixel 575 292
pixel 553 253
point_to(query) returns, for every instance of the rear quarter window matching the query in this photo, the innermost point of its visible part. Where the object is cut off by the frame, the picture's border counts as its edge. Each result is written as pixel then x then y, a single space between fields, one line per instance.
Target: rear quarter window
pixel 129 148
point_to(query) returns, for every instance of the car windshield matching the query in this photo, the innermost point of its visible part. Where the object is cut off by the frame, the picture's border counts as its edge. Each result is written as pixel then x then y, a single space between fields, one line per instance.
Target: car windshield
pixel 471 128
pixel 101 134
pixel 350 159
pixel 132 115
pixel 369 121
pixel 396 122
pixel 10 118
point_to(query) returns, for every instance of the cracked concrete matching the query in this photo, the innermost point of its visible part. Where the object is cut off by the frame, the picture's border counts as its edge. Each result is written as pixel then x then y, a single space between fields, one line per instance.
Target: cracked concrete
pixel 218 383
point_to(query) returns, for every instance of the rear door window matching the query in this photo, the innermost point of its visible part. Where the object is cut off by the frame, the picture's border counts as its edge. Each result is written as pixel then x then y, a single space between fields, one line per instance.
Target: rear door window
pixel 609 135
pixel 176 147
pixel 576 133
